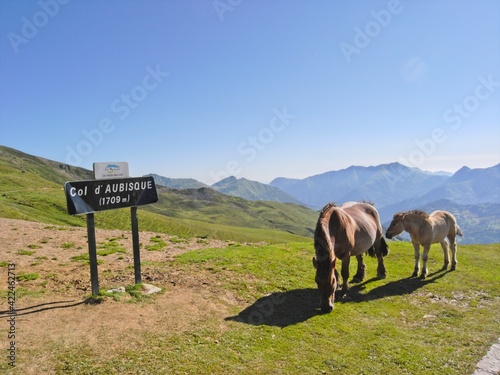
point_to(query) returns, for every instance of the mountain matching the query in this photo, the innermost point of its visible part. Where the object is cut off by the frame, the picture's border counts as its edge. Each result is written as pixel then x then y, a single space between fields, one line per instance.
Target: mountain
pixel 177 183
pixel 207 204
pixel 472 195
pixel 383 184
pixel 253 190
pixel 31 188
pixel 469 186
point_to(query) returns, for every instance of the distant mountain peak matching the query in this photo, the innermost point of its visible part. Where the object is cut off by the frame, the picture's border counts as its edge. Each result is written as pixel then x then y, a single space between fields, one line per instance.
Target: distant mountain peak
pixel 226 181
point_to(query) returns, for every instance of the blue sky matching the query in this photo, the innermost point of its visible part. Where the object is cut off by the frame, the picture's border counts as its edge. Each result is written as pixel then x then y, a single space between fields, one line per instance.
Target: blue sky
pixel 256 89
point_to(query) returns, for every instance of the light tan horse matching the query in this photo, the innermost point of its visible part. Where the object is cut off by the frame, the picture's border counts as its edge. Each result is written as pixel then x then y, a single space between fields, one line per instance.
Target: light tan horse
pixel 425 229
pixel 342 232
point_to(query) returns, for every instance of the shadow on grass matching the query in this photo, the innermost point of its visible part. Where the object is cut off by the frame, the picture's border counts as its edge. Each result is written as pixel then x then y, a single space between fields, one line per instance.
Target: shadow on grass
pixel 283 309
pixel 393 288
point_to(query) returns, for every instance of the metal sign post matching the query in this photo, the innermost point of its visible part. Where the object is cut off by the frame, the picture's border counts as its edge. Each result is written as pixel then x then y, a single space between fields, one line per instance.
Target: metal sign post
pixel 86 197
pixel 94 277
pixel 135 245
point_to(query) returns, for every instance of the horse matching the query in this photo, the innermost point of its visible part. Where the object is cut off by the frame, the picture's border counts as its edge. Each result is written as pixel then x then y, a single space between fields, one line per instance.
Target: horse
pixel 425 229
pixel 342 232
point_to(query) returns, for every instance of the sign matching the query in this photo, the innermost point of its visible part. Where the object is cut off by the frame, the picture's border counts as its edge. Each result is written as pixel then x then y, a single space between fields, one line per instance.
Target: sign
pixel 83 197
pixel 110 170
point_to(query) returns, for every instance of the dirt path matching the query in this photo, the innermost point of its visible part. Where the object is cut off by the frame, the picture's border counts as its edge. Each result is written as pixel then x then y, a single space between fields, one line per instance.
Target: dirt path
pixel 51 309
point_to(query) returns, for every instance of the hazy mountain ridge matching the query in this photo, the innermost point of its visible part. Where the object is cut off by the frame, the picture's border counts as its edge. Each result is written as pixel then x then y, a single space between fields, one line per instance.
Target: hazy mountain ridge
pixel 472 195
pixel 177 183
pixel 31 186
pixel 253 190
pixel 383 184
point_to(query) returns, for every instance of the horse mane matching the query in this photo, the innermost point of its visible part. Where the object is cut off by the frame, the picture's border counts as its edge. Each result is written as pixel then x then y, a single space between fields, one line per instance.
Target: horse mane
pixel 344 230
pixel 322 239
pixel 325 209
pixel 420 213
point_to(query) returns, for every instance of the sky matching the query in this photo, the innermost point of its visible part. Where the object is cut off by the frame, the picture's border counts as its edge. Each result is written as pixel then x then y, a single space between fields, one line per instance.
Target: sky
pixel 256 89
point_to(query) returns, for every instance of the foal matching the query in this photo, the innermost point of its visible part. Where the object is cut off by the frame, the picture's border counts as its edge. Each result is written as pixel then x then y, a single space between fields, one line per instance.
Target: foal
pixel 425 229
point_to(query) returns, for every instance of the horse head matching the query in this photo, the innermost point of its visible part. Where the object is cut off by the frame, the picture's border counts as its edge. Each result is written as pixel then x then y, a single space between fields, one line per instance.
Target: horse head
pixel 397 225
pixel 327 282
pixel 324 262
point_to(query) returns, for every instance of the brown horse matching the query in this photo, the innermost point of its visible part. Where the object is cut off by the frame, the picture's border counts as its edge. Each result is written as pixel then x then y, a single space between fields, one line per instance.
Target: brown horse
pixel 425 229
pixel 342 232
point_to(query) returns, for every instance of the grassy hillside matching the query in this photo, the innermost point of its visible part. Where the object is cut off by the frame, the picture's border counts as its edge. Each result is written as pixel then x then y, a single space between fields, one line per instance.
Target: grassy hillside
pixel 255 310
pixel 31 188
pixel 208 205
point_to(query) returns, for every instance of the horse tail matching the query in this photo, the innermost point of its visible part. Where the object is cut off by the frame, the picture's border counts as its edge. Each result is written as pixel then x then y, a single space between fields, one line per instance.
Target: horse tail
pixel 384 248
pixel 458 231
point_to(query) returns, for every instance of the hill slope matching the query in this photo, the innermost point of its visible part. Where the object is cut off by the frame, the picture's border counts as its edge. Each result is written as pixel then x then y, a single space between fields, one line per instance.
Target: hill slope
pixel 31 189
pixel 253 190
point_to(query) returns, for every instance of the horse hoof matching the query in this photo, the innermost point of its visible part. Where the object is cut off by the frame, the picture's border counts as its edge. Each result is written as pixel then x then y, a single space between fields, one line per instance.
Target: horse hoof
pixel 452 268
pixel 423 276
pixel 382 276
pixel 414 274
pixel 356 280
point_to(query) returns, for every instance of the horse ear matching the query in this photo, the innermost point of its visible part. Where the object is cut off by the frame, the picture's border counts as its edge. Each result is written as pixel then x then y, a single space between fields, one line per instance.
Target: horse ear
pixel 315 263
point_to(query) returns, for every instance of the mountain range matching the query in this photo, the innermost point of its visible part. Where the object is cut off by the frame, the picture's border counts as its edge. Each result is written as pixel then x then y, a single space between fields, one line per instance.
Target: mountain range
pixel 472 195
pixel 28 186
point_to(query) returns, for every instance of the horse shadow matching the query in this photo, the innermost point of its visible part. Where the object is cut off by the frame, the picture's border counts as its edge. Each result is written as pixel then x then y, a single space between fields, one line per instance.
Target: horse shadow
pixel 400 287
pixel 283 309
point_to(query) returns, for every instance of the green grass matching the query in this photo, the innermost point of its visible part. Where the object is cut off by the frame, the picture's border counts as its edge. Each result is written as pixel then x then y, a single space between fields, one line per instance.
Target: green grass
pixel 158 244
pixel 84 258
pixel 26 252
pixel 400 325
pixel 112 246
pixel 27 276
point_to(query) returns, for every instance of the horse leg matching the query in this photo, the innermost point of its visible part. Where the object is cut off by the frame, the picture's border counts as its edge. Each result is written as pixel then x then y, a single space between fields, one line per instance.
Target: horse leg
pixel 361 273
pixel 453 247
pixel 416 269
pixel 381 272
pixel 425 257
pixel 345 274
pixel 446 253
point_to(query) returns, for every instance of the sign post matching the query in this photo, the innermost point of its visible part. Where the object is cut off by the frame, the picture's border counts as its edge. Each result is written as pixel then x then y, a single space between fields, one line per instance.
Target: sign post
pixel 135 245
pixel 89 196
pixel 94 277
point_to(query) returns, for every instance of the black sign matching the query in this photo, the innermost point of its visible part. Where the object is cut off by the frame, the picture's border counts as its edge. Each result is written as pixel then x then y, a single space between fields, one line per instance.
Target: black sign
pixel 88 196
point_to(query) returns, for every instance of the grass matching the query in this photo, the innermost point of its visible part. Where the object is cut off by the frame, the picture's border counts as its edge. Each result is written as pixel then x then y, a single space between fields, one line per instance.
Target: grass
pixel 112 246
pixel 84 258
pixel 27 276
pixel 26 252
pixel 158 244
pixel 68 245
pixel 441 325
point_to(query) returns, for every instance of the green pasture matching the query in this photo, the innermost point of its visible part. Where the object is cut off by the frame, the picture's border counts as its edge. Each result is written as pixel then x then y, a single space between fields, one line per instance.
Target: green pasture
pixel 400 325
